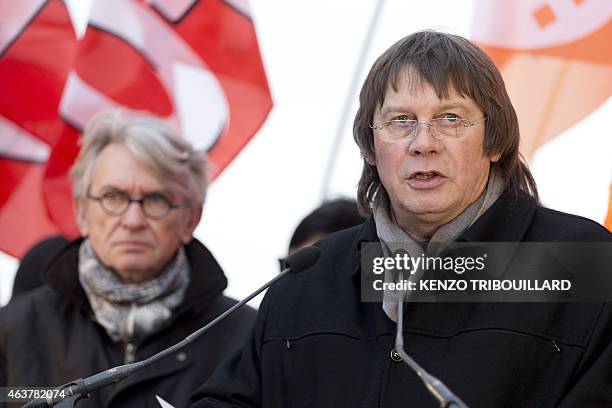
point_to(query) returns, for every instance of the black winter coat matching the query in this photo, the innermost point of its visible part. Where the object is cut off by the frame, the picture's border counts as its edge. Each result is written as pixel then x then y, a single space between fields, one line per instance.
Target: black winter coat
pixel 48 337
pixel 315 344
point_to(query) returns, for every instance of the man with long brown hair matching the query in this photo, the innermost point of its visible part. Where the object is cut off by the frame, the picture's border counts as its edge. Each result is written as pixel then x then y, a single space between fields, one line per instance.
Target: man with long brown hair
pixel 441 165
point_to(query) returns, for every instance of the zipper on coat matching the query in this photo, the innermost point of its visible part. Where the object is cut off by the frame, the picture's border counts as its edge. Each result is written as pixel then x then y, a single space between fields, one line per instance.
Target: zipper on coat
pixel 129 353
pixel 130 348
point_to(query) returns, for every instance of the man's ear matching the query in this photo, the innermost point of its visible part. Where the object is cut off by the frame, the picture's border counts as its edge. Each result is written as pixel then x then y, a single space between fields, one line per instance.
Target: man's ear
pixel 80 210
pixel 191 222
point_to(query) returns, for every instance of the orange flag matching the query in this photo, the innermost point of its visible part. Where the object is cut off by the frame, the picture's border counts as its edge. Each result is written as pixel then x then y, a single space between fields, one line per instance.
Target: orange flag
pixel 555 56
pixel 608 222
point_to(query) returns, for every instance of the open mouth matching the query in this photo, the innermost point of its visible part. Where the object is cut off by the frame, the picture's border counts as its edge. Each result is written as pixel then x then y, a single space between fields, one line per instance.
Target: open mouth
pixel 426 179
pixel 425 175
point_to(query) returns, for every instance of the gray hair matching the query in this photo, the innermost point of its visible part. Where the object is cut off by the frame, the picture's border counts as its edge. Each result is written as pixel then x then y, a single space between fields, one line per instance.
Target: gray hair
pixel 155 144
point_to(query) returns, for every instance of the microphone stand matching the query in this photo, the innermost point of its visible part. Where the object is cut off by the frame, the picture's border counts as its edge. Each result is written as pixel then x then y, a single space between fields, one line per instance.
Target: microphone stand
pixel 437 388
pixel 80 389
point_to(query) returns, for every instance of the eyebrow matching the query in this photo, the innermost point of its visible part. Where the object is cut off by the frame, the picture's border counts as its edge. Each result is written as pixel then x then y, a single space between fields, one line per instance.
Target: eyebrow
pixel 111 187
pixel 453 106
pixel 444 106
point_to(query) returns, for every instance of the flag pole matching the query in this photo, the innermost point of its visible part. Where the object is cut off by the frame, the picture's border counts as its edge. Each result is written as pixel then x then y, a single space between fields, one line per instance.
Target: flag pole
pixel 348 102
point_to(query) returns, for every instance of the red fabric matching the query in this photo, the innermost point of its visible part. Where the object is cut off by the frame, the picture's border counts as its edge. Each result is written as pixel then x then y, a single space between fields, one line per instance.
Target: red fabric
pixel 35 68
pixel 32 75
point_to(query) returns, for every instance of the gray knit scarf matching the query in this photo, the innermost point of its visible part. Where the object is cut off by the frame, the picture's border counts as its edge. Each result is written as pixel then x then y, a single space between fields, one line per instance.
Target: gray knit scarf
pixel 131 312
pixel 393 238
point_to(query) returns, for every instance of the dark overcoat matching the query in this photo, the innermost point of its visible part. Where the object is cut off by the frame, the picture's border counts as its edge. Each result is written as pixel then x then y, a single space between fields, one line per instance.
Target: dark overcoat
pixel 316 344
pixel 48 337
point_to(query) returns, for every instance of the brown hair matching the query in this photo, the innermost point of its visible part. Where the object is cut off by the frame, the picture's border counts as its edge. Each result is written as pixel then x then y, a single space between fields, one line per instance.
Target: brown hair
pixel 445 62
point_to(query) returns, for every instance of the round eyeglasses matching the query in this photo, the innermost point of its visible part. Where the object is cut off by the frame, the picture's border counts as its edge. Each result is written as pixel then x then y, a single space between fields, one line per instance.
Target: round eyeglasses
pixel 450 128
pixel 153 205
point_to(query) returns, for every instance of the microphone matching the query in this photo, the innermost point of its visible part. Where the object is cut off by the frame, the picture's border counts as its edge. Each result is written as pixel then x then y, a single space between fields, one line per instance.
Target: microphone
pixel 437 388
pixel 299 261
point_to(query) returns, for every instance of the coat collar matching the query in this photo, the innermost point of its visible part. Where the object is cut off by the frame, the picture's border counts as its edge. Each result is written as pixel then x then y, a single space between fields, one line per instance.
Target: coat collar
pixel 507 220
pixel 207 280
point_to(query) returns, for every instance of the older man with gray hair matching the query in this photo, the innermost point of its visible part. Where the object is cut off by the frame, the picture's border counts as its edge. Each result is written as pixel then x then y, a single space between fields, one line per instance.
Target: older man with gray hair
pixel 135 283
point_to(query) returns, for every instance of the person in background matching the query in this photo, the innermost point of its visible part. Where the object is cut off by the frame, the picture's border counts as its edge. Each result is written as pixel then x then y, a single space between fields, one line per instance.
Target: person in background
pixel 33 263
pixel 331 216
pixel 439 139
pixel 135 282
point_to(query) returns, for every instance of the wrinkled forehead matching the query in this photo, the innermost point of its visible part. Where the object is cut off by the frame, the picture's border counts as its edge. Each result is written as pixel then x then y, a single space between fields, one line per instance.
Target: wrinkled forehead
pixel 407 78
pixel 120 166
pixel 417 96
pixel 446 83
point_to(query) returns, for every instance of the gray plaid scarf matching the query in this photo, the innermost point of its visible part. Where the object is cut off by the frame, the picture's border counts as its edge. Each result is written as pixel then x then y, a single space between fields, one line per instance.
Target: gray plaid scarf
pixel 393 238
pixel 131 312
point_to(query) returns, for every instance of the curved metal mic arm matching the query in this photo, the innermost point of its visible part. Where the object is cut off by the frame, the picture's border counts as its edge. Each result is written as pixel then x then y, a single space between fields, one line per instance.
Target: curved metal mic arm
pixel 437 388
pixel 82 387
pixel 75 390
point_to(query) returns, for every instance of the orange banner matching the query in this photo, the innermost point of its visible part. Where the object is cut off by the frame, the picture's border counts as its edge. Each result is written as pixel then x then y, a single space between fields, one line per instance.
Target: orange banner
pixel 556 59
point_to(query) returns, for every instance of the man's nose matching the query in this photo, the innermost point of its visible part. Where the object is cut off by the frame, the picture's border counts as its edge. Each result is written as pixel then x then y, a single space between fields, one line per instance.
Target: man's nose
pixel 423 141
pixel 133 216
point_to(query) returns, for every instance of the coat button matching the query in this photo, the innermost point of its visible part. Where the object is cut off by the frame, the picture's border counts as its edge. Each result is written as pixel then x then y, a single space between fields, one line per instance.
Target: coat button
pixel 181 357
pixel 395 356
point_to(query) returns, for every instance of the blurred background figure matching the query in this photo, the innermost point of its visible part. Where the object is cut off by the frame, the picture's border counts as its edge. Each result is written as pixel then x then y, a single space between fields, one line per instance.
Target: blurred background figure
pixel 28 274
pixel 331 216
pixel 135 282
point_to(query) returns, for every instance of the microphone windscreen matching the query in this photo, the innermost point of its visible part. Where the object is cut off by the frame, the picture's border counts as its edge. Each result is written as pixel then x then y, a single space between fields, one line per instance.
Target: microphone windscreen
pixel 303 259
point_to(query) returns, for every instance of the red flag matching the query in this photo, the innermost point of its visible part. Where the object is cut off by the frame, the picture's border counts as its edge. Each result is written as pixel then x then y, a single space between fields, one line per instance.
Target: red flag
pixel 196 64
pixel 37 49
pixel 555 56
